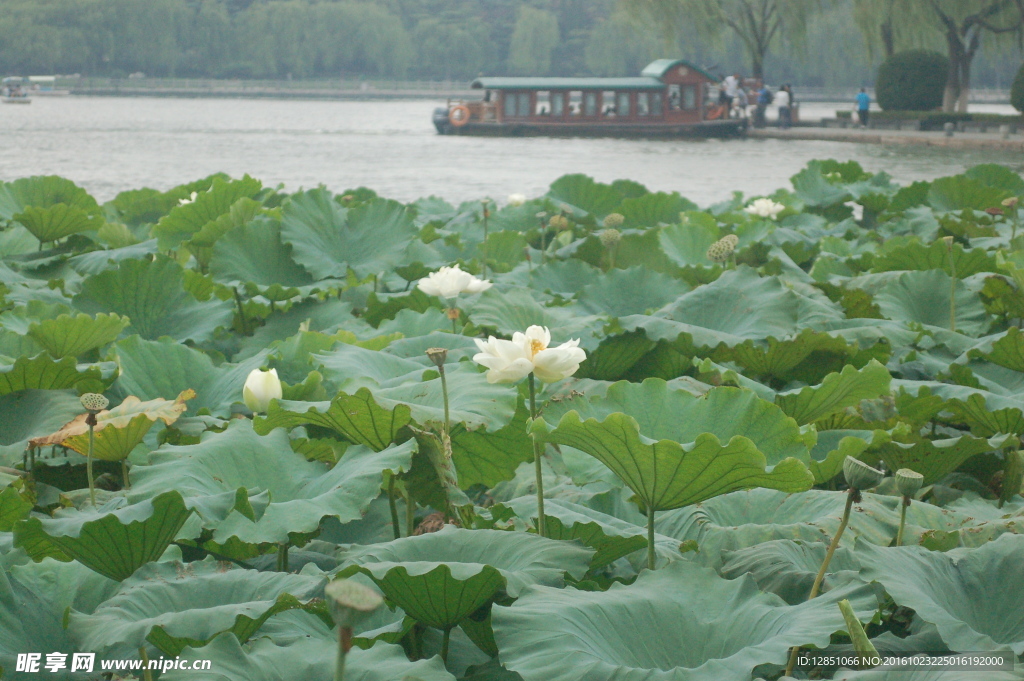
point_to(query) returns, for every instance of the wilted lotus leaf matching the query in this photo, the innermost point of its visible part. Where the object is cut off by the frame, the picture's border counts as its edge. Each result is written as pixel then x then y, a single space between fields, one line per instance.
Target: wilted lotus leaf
pixel 119 430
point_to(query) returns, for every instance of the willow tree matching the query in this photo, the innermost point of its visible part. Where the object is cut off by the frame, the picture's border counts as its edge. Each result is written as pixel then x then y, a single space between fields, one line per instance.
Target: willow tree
pixel 759 24
pixel 891 24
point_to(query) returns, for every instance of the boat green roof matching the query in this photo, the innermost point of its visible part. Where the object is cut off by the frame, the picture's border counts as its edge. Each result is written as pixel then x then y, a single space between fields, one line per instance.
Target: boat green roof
pixel 659 67
pixel 641 83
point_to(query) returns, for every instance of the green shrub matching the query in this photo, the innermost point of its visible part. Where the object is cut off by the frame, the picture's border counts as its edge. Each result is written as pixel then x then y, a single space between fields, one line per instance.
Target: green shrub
pixel 1017 91
pixel 912 81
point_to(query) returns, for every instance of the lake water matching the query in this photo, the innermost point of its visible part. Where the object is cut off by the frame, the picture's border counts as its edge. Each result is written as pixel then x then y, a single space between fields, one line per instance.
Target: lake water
pixel 111 144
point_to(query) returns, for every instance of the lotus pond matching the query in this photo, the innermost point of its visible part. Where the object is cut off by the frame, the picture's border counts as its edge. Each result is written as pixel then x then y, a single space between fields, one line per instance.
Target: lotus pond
pixel 624 439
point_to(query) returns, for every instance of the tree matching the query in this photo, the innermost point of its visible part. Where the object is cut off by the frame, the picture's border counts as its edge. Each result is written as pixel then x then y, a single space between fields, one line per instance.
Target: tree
pixel 758 23
pixel 891 24
pixel 533 40
pixel 1017 91
pixel 964 23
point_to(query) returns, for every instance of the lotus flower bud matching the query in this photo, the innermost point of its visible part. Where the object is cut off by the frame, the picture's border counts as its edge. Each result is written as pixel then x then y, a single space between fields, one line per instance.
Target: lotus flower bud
pixel 610 238
pixel 908 482
pixel 859 475
pixel 94 402
pixel 613 220
pixel 516 199
pixel 260 388
pixel 437 356
pixel 1011 202
pixel 558 222
pixel 351 602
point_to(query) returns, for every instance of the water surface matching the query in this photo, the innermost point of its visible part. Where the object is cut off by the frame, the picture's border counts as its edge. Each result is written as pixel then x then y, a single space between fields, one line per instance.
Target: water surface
pixel 112 144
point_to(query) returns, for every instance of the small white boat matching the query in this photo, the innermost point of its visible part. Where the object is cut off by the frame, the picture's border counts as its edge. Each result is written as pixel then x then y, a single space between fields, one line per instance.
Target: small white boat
pixel 13 92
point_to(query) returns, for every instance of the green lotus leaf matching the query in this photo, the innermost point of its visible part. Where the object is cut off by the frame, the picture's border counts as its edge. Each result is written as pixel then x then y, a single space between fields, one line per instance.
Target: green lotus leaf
pixel 787 568
pixel 835 393
pixel 935 256
pixel 43 191
pixel 487 458
pixel 1005 349
pixel 153 296
pixel 14 505
pixel 34 600
pixel 807 356
pixel 687 243
pixel 831 450
pixel 302 492
pixel 349 367
pixel 56 222
pixel 583 196
pixel 517 309
pixel 924 297
pixel 959 192
pixel 308 659
pixel 998 176
pixel 254 255
pixel 653 209
pixel 611 537
pixel 185 220
pixel 329 240
pixel 172 605
pixel 967 594
pixel 678 623
pixel 114 544
pixel 631 291
pixel 665 474
pixel 441 578
pixel 32 413
pixel 663 413
pixel 741 519
pixel 358 418
pixel 616 356
pixel 44 373
pixel 152 369
pixel 815 190
pixel 558 277
pixel 68 336
pixel 931 458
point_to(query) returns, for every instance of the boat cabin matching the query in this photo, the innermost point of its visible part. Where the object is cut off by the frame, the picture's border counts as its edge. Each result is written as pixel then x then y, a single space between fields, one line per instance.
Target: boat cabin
pixel 669 94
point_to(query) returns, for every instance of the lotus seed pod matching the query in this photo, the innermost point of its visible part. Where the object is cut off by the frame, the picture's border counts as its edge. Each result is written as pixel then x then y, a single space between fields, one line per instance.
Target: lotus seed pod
pixel 610 238
pixel 94 402
pixel 721 250
pixel 908 482
pixel 948 240
pixel 859 475
pixel 613 220
pixel 437 356
pixel 351 602
pixel 731 239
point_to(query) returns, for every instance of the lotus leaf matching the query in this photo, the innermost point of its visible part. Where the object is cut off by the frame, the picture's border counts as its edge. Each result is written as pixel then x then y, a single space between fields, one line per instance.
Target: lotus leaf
pixel 68 336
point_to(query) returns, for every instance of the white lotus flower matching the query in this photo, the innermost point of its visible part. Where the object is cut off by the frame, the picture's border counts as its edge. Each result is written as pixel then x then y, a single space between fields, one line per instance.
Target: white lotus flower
pixel 261 387
pixel 191 199
pixel 511 361
pixel 765 208
pixel 449 282
pixel 516 199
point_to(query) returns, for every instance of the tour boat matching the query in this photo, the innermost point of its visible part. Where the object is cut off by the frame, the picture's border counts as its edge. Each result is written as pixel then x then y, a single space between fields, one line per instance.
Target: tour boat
pixel 12 92
pixel 671 97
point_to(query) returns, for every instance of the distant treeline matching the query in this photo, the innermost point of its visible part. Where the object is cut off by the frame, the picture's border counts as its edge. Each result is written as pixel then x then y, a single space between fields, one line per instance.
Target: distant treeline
pixel 397 39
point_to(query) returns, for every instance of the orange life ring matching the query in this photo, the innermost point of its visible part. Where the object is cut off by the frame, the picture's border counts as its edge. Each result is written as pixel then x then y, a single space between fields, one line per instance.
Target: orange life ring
pixel 715 113
pixel 458 116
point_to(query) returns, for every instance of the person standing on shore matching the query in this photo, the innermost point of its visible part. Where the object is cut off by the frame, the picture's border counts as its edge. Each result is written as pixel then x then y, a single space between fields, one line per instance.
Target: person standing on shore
pixel 782 100
pixel 863 107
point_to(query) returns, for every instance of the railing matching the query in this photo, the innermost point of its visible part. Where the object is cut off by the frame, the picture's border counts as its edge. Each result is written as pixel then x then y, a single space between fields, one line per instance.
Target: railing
pixel 240 85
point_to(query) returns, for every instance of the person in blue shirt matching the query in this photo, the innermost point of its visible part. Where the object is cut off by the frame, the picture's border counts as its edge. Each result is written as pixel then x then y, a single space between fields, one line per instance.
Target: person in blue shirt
pixel 863 107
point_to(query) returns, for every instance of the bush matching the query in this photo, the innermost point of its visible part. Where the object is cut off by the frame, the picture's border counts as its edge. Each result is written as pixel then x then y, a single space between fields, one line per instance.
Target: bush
pixel 912 81
pixel 1017 91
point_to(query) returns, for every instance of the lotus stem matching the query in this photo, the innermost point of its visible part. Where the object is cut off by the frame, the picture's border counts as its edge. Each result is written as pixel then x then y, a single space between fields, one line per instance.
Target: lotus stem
pixel 91 420
pixel 282 557
pixel 903 520
pixel 851 496
pixel 344 645
pixel 241 313
pixel 147 675
pixel 444 393
pixel 410 514
pixel 124 474
pixel 394 508
pixel 541 526
pixel 952 283
pixel 487 214
pixel 445 640
pixel 650 537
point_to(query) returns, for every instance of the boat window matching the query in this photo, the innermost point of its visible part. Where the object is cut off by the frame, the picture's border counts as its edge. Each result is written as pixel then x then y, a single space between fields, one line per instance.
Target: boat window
pixel 575 103
pixel 674 98
pixel 543 103
pixel 656 104
pixel 509 99
pixel 643 104
pixel 622 108
pixel 590 104
pixel 558 104
pixel 689 97
pixel 523 105
pixel 608 103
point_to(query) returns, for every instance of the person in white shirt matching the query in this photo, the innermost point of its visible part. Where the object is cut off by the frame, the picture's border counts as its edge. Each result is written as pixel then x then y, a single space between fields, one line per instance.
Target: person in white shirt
pixel 783 99
pixel 730 90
